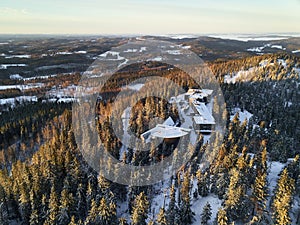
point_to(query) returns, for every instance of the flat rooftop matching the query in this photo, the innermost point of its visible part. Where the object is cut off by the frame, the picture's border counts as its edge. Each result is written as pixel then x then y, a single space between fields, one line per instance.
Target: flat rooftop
pixel 165 131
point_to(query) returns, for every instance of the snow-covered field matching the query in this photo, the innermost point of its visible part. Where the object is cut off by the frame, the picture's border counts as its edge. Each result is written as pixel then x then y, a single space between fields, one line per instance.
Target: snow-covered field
pixel 21 99
pixel 22 87
pixel 5 66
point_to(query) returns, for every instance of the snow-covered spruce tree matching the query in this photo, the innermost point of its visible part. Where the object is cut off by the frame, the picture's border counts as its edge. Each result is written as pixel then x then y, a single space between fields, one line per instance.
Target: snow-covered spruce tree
pixel 203 182
pixel 260 188
pixel 186 215
pixel 123 221
pixel 172 211
pixel 93 215
pixel 66 207
pixel 236 203
pixel 53 208
pixel 259 195
pixel 206 214
pixel 140 210
pixel 107 213
pixel 161 217
pixel 283 199
pixel 73 222
pixel 221 217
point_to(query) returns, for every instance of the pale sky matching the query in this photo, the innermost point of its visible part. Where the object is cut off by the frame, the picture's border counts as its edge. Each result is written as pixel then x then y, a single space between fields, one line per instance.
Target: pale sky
pixel 149 16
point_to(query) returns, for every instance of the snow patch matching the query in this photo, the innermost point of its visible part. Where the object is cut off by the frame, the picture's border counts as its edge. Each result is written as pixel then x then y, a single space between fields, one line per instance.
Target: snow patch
pixel 143 49
pixel 64 53
pixel 131 50
pixel 282 62
pixel 258 49
pixel 81 52
pixel 278 47
pixel 243 115
pixel 18 56
pixel 174 52
pixel 158 59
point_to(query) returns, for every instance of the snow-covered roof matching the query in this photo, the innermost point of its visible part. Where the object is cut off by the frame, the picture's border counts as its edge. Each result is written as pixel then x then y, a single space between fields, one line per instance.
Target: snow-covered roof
pixel 165 131
pixel 207 92
pixel 199 93
pixel 169 122
pixel 204 116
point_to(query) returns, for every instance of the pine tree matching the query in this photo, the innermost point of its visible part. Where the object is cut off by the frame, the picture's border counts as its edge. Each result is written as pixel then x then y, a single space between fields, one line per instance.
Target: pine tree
pixel 283 199
pixel 66 207
pixel 72 222
pixel 53 208
pixel 206 214
pixel 123 221
pixel 107 212
pixel 140 210
pixel 237 204
pixel 24 204
pixel 260 194
pixel 93 215
pixel 161 217
pixel 172 210
pixel 222 217
pixel 203 182
pixel 186 213
pixel 81 202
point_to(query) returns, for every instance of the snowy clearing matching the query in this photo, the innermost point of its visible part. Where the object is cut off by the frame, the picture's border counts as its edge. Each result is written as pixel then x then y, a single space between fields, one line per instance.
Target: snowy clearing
pixel 243 115
pixel 198 205
pixel 21 87
pixel 135 87
pixel 274 169
pixel 242 75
